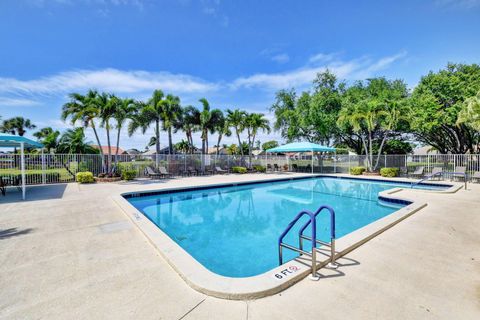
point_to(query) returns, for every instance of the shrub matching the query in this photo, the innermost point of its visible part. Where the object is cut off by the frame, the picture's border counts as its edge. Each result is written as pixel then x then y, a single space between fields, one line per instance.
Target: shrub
pixel 85 177
pixel 356 171
pixel 239 170
pixel 129 174
pixel 259 168
pixel 389 172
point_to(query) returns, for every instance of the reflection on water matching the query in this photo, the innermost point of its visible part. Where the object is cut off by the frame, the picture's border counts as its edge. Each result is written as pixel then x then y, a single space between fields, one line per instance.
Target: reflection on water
pixel 233 231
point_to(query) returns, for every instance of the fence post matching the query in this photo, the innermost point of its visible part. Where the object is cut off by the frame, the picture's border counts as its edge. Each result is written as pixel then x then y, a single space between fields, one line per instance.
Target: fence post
pixel 44 177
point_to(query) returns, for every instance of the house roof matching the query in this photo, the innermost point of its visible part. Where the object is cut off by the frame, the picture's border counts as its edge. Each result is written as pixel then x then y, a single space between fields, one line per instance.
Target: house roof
pixel 105 149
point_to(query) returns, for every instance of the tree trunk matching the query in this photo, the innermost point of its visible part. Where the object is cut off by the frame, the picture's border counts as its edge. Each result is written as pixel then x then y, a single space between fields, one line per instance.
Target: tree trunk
pixel 92 124
pixel 118 146
pixel 218 142
pixel 170 145
pixel 239 142
pixel 157 143
pixel 107 127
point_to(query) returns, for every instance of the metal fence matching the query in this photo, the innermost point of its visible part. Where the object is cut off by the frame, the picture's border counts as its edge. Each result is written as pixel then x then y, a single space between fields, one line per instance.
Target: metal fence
pixel 57 168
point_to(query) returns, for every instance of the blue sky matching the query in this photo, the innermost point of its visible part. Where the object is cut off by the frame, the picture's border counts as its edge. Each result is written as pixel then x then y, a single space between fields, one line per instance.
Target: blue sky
pixel 237 54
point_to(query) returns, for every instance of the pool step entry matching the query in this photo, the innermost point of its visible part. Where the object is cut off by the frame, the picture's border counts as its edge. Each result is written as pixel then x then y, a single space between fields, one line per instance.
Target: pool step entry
pixel 312 223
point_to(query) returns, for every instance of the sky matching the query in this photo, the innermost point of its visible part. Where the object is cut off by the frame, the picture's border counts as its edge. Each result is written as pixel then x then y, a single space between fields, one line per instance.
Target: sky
pixel 236 54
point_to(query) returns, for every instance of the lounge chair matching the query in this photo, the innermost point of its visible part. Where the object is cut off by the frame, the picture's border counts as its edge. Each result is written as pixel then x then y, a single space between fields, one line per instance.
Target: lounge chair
pixel 163 171
pixel 436 172
pixel 418 173
pixel 220 170
pixel 152 174
pixel 294 167
pixel 192 171
pixel 476 176
pixel 269 167
pixel 275 167
pixel 459 173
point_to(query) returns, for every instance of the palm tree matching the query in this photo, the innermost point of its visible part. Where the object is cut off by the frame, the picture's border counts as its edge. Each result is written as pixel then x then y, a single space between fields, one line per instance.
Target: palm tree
pixel 83 108
pixel 48 137
pixel 236 119
pixel 223 129
pixel 188 122
pixel 107 103
pixel 208 122
pixel 125 109
pixel 17 125
pixel 73 142
pixel 182 146
pixel 253 123
pixel 171 112
pixel 150 113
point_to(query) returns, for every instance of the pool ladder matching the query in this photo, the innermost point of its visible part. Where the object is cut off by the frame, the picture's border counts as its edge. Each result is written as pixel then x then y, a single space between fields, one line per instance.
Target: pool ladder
pixel 312 222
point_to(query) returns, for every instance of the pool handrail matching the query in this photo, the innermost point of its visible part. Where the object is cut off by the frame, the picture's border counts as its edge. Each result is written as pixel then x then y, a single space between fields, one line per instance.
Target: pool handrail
pixel 314 242
pixel 464 174
pixel 302 237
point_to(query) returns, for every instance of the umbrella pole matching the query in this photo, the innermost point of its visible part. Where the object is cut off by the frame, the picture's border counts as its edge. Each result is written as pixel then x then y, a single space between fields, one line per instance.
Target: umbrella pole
pixel 22 164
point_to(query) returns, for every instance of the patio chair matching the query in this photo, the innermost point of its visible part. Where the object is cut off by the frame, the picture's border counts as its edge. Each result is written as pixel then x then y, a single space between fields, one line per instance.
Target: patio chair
pixel 275 167
pixel 459 173
pixel 294 167
pixel 269 167
pixel 192 171
pixel 476 176
pixel 436 173
pixel 152 174
pixel 418 173
pixel 220 170
pixel 163 171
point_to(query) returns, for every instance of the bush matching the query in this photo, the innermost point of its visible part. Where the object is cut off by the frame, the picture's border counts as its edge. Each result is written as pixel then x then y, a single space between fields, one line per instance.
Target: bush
pixel 259 168
pixel 239 170
pixel 129 174
pixel 356 171
pixel 85 177
pixel 389 172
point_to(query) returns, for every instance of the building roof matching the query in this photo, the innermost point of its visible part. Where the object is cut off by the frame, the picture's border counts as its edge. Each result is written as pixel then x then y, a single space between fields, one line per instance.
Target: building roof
pixel 105 149
pixel 10 140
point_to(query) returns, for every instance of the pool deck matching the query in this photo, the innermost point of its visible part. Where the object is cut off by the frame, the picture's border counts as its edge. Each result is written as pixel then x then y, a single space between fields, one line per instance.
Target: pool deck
pixel 70 252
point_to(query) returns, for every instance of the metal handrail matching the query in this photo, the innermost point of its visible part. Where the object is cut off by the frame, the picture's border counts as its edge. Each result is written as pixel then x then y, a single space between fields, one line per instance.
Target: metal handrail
pixel 314 242
pixel 464 174
pixel 302 237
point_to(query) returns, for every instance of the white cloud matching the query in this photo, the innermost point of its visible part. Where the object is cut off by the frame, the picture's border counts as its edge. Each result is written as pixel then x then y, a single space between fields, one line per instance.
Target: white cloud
pixel 17 102
pixel 281 58
pixel 322 57
pixel 110 80
pixel 353 69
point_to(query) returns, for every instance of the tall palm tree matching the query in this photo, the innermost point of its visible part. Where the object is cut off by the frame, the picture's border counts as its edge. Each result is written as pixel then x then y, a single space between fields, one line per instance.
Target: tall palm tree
pixel 208 122
pixel 188 122
pixel 236 119
pixel 182 146
pixel 171 112
pixel 253 123
pixel 107 103
pixel 150 113
pixel 126 109
pixel 83 108
pixel 223 129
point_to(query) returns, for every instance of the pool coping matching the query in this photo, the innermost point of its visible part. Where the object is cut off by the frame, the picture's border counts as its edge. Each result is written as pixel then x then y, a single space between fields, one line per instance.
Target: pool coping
pixel 265 284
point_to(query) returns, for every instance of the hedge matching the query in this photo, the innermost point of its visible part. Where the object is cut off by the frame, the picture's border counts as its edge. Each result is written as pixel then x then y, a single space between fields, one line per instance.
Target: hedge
pixel 259 168
pixel 85 177
pixel 129 174
pixel 239 170
pixel 356 171
pixel 389 172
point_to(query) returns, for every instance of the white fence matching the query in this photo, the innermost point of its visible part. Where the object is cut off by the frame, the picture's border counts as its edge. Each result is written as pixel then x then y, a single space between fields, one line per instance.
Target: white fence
pixel 63 167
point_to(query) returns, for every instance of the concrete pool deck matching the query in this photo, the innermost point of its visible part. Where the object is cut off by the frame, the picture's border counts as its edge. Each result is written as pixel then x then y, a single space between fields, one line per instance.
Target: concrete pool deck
pixel 70 252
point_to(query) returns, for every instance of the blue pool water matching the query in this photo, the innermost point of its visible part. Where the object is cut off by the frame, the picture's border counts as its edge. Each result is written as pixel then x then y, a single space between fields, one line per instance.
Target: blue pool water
pixel 233 231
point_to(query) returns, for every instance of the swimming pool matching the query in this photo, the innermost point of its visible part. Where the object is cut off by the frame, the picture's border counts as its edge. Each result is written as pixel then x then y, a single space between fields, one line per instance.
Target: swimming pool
pixel 233 230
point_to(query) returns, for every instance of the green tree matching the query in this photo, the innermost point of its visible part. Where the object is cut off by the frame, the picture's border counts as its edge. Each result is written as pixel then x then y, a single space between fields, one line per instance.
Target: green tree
pixel 17 126
pixel 73 141
pixel 470 112
pixel 236 120
pixel 188 122
pixel 436 103
pixel 269 145
pixel 151 113
pixel 125 109
pixel 183 146
pixel 253 123
pixel 223 129
pixel 209 120
pixel 374 107
pixel 48 137
pixel 171 113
